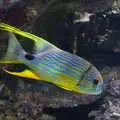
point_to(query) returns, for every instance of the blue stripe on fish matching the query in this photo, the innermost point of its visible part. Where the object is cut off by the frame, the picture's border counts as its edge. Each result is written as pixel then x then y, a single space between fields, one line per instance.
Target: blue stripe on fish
pixel 76 61
pixel 55 67
pixel 59 70
pixel 47 69
pixel 70 60
pixel 66 55
pixel 63 64
pixel 54 61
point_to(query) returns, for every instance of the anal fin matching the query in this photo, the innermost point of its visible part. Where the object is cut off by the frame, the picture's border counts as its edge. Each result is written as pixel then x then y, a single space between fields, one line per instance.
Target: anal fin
pixel 26 74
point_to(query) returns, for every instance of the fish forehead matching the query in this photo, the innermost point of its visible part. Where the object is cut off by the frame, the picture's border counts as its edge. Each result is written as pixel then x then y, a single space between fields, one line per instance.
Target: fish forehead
pixel 57 62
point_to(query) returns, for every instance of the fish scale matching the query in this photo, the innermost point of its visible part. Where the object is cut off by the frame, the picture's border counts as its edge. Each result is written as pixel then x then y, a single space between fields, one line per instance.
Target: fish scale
pixel 74 59
pixel 76 63
pixel 58 68
pixel 63 66
pixel 54 61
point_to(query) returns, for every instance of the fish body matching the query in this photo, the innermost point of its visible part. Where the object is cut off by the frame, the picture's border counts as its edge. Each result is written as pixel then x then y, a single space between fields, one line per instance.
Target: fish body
pixel 53 65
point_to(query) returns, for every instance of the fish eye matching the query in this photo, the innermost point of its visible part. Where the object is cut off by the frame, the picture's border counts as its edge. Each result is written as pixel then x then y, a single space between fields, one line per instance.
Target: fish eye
pixel 29 57
pixel 95 81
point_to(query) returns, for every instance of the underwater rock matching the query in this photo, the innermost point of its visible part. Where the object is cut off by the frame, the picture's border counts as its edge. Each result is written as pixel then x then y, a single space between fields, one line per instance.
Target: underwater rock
pixel 97 5
pixel 24 109
pixel 110 108
pixel 47 117
pixel 51 96
pixel 56 23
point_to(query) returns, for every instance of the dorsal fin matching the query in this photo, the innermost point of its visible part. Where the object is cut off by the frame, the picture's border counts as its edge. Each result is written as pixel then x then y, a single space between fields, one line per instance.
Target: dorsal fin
pixel 40 44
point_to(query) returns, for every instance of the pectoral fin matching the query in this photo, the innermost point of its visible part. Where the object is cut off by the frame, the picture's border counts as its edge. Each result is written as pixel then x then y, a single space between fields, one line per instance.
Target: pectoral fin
pixel 26 73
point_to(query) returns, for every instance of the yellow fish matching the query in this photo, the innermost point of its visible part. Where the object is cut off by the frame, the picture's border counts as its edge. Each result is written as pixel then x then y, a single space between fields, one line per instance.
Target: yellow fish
pixel 51 64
